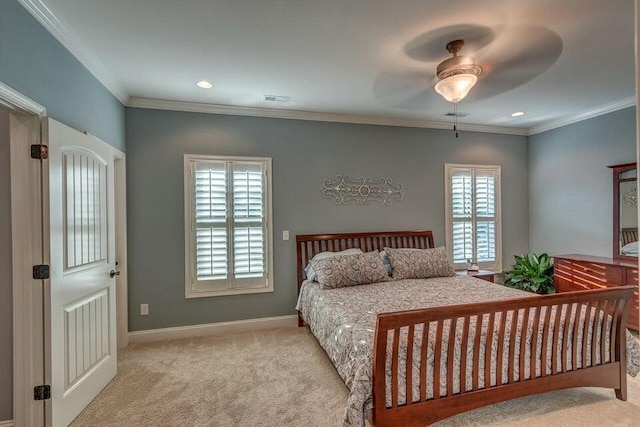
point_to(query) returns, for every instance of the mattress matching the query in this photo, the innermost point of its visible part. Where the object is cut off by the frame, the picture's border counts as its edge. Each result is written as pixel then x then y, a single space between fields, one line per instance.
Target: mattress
pixel 343 321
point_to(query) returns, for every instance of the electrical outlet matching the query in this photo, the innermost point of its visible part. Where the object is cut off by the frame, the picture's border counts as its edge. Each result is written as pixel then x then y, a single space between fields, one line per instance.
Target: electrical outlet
pixel 285 235
pixel 144 309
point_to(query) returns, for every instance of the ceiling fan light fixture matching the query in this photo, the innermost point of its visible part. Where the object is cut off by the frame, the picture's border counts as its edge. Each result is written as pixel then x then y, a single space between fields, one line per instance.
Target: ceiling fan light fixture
pixel 456 87
pixel 457 74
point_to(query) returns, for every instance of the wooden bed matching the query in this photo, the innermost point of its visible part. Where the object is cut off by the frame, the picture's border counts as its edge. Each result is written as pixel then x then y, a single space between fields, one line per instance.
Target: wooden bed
pixel 563 373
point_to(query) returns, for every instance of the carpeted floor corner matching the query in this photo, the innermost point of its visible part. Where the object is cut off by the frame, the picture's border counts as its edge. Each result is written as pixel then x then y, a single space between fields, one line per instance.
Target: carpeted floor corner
pixel 281 377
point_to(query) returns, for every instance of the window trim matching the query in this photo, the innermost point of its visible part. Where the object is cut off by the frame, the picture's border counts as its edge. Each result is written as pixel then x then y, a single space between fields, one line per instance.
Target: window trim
pixel 190 292
pixel 496 265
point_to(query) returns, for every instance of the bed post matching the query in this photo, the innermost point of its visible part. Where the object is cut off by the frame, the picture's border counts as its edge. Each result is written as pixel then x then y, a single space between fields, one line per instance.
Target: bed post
pixel 299 268
pixel 621 353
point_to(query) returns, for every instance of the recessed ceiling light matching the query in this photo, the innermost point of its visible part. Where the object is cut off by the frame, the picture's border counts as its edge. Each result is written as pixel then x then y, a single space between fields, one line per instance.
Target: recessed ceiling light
pixel 518 114
pixel 204 84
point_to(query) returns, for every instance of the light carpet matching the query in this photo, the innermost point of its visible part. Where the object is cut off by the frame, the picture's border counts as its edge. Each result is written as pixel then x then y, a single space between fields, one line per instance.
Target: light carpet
pixel 281 377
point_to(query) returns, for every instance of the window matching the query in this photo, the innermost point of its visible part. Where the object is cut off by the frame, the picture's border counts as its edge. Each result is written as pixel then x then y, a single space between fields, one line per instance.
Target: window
pixel 473 215
pixel 228 238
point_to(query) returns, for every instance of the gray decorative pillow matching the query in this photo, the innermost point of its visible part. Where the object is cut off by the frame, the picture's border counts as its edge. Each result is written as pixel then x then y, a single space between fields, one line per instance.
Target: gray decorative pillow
pixel 311 274
pixel 349 270
pixel 420 263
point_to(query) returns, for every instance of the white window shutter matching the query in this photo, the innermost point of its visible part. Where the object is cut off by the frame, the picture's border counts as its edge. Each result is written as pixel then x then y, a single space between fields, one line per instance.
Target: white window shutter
pixel 485 207
pixel 248 216
pixel 473 216
pixel 228 235
pixel 461 210
pixel 211 253
pixel 210 220
pixel 248 192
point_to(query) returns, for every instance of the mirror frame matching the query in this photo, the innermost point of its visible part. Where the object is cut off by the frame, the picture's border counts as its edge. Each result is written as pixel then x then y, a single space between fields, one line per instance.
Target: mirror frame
pixel 617 170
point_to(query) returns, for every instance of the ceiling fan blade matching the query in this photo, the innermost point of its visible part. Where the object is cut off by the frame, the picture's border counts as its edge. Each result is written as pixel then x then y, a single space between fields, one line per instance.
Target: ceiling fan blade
pixel 509 56
pixel 431 46
pixel 521 54
pixel 410 91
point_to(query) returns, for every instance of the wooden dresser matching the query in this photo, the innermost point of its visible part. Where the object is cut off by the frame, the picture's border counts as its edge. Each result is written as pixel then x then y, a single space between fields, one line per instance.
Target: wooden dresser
pixel 578 272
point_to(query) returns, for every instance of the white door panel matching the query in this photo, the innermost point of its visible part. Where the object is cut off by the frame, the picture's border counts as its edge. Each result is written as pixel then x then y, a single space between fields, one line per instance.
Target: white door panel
pixel 83 310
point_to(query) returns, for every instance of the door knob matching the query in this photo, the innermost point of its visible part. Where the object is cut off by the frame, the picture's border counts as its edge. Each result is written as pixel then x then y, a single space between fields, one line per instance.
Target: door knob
pixel 114 273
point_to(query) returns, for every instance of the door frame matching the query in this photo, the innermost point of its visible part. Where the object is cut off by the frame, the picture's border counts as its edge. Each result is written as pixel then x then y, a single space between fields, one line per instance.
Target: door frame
pixel 27 250
pixel 122 287
pixel 30 243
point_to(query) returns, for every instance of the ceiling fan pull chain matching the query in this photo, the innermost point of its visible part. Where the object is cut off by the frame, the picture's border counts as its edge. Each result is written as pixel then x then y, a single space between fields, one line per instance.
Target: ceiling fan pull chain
pixel 455 118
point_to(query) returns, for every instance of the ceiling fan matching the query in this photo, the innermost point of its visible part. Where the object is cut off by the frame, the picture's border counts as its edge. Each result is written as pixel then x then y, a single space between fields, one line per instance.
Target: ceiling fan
pixel 494 59
pixel 457 74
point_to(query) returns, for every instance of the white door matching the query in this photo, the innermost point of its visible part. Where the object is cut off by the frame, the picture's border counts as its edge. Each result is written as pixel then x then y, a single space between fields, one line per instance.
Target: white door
pixel 83 297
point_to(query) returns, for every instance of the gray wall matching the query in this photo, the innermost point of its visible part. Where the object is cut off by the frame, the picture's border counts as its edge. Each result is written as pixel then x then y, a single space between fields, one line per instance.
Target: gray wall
pixel 304 154
pixel 33 62
pixel 6 313
pixel 570 186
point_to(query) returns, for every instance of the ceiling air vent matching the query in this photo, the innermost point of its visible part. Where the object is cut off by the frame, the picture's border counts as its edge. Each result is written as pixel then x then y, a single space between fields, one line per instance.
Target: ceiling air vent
pixel 452 114
pixel 276 98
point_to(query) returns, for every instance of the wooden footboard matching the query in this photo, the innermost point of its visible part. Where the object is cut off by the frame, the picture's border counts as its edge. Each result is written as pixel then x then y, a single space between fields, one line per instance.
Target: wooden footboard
pixel 579 341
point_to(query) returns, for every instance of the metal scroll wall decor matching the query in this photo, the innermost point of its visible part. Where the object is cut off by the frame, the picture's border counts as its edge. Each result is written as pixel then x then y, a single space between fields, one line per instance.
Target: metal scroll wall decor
pixel 362 190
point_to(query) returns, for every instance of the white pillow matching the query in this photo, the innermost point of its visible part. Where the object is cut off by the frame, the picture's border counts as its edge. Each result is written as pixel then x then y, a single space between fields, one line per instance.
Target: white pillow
pixel 311 274
pixel 630 249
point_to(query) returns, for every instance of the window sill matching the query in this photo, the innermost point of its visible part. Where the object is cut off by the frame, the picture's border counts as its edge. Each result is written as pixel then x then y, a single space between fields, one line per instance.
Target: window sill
pixel 225 292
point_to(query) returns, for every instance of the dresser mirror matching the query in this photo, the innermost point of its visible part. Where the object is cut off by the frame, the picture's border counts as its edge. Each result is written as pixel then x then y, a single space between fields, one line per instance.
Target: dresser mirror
pixel 625 211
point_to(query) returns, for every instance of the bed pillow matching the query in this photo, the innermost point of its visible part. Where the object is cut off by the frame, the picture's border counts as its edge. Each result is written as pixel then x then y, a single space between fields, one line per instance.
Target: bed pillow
pixel 311 274
pixel 385 260
pixel 630 249
pixel 420 263
pixel 349 270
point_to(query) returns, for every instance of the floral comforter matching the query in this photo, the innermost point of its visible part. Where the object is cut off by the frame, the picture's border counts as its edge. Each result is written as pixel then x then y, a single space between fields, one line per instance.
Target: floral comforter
pixel 343 321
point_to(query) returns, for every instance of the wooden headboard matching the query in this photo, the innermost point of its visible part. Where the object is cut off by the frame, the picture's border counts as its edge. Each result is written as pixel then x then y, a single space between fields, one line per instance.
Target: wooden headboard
pixel 628 235
pixel 308 245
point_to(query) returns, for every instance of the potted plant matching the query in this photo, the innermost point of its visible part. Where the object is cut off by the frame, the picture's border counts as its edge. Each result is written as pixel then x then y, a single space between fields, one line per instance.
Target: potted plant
pixel 531 272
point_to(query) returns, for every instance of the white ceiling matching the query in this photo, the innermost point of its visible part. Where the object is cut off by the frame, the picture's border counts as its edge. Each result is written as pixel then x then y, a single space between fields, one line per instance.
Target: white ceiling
pixel 549 58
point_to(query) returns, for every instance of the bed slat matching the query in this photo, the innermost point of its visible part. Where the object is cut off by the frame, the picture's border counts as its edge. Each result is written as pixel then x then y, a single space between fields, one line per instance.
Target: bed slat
pixel 523 341
pixel 585 335
pixel 603 333
pixel 423 361
pixel 512 344
pixel 463 354
pixel 533 353
pixel 453 326
pixel 565 337
pixel 476 351
pixel 545 340
pixel 394 368
pixel 500 357
pixel 437 354
pixel 574 341
pixel 488 346
pixel 409 366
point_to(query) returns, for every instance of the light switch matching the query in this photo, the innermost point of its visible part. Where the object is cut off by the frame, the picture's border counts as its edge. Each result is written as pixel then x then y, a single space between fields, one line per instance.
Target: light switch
pixel 285 235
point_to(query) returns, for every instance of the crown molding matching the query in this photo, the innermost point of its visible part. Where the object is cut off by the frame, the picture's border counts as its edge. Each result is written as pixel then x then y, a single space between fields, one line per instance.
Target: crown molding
pixel 585 115
pixel 16 100
pixel 194 107
pixel 76 46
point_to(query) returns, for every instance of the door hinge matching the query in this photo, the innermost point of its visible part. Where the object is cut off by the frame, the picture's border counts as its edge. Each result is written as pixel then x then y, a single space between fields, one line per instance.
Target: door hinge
pixel 39 151
pixel 40 272
pixel 42 392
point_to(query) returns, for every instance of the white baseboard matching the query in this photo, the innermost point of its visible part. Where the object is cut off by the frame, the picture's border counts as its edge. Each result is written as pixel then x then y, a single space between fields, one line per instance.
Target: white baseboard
pixel 8 423
pixel 211 329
